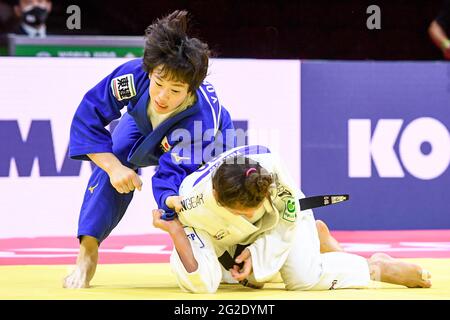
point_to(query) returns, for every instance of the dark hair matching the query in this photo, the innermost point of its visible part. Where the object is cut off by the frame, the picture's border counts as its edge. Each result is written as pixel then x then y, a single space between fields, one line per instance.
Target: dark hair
pixel 183 58
pixel 241 181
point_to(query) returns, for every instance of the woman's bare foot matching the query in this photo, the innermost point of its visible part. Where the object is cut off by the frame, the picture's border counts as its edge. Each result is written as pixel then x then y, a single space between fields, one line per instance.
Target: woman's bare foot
pixel 81 276
pixel 387 269
pixel 327 242
pixel 86 265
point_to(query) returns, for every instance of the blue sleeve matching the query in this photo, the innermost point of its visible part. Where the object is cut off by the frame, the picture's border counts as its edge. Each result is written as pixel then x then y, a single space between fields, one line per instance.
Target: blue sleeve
pixel 167 179
pixel 186 157
pixel 101 105
pixel 183 159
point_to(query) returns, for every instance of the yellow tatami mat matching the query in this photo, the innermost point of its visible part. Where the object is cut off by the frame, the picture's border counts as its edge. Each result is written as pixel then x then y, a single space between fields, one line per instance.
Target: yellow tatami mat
pixel 155 281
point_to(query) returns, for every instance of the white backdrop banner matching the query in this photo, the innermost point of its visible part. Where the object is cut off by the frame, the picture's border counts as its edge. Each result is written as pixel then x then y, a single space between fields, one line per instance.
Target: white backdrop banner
pixel 41 190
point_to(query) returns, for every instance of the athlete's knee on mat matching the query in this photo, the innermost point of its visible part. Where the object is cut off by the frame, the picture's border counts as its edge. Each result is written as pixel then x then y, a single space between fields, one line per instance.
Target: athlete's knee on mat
pixel 319 285
pixel 201 290
pixel 199 283
pixel 211 279
pixel 198 287
pixel 298 282
pixel 299 286
pixel 210 288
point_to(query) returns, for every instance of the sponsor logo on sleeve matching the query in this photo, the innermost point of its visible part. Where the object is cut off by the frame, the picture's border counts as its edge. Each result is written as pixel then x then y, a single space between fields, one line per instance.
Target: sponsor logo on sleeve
pixel 284 194
pixel 178 158
pixel 221 234
pixel 91 188
pixel 123 87
pixel 192 235
pixel 289 212
pixel 192 202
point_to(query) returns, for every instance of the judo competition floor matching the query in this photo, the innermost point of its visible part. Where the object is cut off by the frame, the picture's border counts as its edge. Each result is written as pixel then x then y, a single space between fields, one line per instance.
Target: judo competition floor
pixel 136 267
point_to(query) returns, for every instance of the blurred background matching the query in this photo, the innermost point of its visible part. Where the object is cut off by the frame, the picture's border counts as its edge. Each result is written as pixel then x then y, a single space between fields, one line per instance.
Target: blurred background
pixel 302 29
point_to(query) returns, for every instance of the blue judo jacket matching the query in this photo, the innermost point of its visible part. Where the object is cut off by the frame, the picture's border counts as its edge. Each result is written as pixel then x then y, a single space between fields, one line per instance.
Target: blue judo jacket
pixel 179 145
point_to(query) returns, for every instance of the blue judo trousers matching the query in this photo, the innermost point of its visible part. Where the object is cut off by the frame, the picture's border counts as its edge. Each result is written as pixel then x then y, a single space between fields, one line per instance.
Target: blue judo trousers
pixel 136 144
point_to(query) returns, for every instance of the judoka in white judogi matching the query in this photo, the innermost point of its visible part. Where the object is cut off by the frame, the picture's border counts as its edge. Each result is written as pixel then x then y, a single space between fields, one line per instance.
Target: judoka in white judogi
pixel 283 240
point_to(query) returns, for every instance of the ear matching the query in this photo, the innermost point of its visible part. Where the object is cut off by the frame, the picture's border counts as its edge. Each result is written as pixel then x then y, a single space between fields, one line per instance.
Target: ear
pixel 49 6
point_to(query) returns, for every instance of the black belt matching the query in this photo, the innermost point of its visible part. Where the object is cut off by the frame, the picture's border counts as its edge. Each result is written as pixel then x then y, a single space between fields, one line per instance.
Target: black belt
pixel 306 203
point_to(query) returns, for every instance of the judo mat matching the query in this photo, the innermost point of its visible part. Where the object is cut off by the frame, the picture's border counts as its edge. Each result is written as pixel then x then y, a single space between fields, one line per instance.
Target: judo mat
pixel 136 268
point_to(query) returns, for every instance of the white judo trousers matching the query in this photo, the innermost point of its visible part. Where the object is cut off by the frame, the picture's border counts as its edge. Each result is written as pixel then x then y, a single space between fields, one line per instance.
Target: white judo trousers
pixel 284 241
pixel 304 269
pixel 308 269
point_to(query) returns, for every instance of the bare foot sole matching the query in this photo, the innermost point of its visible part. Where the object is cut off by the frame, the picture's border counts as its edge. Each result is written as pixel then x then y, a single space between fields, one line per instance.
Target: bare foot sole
pixel 401 272
pixel 327 242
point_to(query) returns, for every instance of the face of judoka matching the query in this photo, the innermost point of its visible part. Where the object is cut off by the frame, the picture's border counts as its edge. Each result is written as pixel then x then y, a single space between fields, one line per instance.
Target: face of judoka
pixel 240 210
pixel 166 94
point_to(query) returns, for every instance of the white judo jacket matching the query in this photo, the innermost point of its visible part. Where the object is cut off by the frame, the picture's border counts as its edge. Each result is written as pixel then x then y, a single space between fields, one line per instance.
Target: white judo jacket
pixel 212 229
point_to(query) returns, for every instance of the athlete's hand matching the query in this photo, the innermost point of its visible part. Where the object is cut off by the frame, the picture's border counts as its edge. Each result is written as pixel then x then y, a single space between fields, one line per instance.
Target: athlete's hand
pixel 124 179
pixel 174 202
pixel 171 226
pixel 243 273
